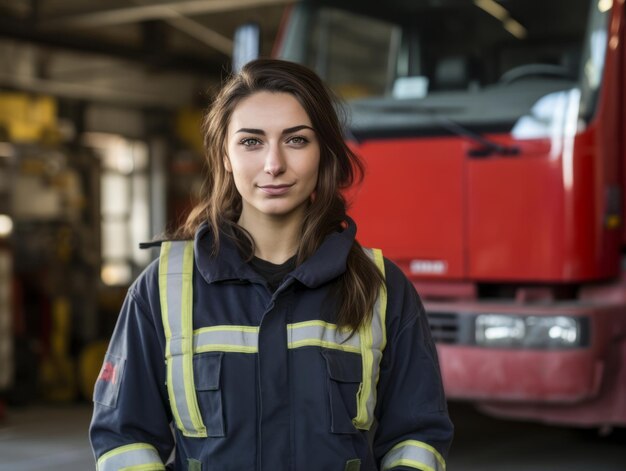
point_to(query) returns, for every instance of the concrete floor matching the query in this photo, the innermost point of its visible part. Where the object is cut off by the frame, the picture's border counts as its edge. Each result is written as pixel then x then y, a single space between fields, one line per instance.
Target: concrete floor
pixel 46 438
pixel 55 438
pixel 485 444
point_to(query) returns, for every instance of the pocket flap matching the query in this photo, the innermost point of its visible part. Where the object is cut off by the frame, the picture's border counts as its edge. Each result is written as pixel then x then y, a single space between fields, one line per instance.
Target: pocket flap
pixel 345 367
pixel 206 371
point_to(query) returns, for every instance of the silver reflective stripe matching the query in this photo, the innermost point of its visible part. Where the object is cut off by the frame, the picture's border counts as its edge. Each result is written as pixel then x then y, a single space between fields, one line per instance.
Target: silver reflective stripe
pixel 139 456
pixel 175 292
pixel 176 289
pixel 322 334
pixel 226 338
pixel 373 340
pixel 414 454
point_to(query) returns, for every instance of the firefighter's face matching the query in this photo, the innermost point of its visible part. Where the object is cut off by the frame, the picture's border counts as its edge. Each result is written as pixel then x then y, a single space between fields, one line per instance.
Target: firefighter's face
pixel 273 154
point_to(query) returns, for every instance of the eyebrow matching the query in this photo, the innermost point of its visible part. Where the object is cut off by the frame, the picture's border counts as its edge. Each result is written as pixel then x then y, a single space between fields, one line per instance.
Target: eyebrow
pixel 285 131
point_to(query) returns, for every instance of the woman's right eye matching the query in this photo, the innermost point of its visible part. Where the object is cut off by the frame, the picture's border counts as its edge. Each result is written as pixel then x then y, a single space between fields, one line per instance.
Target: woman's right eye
pixel 250 142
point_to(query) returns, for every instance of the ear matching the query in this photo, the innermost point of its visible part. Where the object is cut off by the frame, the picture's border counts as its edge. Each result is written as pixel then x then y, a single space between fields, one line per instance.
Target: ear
pixel 227 165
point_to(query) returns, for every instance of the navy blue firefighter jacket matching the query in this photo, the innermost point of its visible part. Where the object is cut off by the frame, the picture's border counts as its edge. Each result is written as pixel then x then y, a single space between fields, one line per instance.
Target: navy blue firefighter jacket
pixel 287 397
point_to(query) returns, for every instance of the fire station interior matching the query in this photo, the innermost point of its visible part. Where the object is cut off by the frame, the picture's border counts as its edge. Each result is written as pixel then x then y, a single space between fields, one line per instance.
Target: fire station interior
pixel 100 149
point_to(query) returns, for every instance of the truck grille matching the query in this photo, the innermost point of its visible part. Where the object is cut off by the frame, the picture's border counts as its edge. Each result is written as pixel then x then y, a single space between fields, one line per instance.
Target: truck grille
pixel 444 327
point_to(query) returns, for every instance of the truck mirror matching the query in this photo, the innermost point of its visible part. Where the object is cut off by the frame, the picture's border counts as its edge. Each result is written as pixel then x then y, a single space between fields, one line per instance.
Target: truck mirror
pixel 247 45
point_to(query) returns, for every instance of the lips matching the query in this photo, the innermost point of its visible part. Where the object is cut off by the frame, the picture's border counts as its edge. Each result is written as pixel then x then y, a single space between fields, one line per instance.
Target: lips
pixel 275 190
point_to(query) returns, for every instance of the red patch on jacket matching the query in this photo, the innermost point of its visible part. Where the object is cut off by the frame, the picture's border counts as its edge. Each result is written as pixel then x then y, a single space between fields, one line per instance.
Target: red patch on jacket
pixel 108 374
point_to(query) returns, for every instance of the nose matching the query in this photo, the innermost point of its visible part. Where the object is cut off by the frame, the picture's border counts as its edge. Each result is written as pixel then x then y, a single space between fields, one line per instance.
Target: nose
pixel 274 161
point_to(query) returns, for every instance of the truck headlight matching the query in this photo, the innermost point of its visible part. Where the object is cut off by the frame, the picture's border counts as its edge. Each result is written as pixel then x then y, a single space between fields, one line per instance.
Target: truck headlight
pixel 558 331
pixel 498 330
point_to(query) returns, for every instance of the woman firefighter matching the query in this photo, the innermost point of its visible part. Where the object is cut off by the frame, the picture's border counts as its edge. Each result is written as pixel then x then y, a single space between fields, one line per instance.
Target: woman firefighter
pixel 265 337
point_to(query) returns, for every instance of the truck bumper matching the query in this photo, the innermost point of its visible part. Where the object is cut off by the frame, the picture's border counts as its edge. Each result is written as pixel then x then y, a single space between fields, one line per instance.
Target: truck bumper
pixel 520 375
pixel 583 386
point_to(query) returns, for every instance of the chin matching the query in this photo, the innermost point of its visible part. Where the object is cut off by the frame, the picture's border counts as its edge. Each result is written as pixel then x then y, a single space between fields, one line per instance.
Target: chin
pixel 280 211
pixel 278 208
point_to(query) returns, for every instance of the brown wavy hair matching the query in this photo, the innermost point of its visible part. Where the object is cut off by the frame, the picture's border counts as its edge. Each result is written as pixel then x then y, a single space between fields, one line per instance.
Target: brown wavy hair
pixel 339 168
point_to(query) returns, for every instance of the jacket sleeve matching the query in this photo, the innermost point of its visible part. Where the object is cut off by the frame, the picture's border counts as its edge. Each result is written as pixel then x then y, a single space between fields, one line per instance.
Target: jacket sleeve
pixel 414 430
pixel 130 427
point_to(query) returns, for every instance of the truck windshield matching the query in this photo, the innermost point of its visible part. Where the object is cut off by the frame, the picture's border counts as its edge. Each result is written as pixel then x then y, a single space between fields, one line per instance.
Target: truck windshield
pixel 482 63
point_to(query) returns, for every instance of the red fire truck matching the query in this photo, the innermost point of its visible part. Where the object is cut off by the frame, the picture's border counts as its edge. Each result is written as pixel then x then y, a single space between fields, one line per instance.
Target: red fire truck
pixel 494 138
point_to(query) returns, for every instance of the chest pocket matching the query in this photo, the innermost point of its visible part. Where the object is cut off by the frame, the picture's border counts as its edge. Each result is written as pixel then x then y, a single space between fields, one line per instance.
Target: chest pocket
pixel 207 369
pixel 345 373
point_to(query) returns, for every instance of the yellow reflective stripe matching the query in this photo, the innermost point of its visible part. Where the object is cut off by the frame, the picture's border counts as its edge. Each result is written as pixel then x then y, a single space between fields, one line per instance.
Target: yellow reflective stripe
pixel 228 328
pixel 373 340
pixel 163 271
pixel 322 334
pixel 379 260
pixel 361 419
pixel 322 343
pixel 325 325
pixel 176 296
pixel 172 396
pixel 163 266
pixel 133 457
pixel 187 325
pixel 411 464
pixel 225 348
pixel 414 454
pixel 381 310
pixel 144 467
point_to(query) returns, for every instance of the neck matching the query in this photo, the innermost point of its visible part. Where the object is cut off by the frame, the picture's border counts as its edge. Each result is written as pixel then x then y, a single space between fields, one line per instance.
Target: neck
pixel 275 239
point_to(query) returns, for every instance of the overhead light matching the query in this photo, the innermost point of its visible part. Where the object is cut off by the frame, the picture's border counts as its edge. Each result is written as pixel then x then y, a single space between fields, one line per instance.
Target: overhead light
pixel 499 12
pixel 515 28
pixel 7 150
pixel 494 9
pixel 605 5
pixel 6 225
pixel 115 273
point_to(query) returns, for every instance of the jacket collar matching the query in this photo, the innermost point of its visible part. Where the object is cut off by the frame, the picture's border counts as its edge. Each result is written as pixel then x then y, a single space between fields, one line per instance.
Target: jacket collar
pixel 326 263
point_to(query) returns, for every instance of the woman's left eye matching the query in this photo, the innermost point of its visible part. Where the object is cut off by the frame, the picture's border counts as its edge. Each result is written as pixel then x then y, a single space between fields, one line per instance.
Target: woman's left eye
pixel 297 140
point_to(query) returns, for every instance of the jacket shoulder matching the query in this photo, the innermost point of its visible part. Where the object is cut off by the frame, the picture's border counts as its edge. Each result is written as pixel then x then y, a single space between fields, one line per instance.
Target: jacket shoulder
pixel 145 288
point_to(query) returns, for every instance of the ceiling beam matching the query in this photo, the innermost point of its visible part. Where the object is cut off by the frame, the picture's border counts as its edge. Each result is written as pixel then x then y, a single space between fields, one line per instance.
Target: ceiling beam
pixel 203 34
pixel 189 27
pixel 163 60
pixel 90 92
pixel 160 11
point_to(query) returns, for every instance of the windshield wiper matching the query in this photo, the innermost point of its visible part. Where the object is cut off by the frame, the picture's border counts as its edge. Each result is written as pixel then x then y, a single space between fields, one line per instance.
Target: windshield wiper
pixel 488 147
